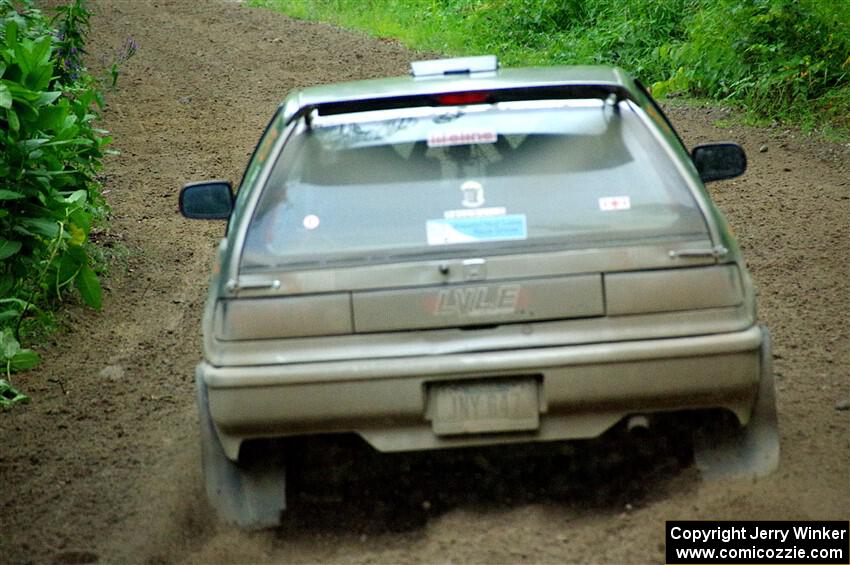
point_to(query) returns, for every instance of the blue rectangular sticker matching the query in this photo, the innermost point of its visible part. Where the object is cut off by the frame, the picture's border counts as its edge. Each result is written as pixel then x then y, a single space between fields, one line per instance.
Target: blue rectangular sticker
pixel 486 228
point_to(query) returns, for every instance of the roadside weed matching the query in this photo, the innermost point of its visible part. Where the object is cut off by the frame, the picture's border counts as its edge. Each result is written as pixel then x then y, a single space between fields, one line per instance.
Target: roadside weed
pixel 51 151
pixel 124 54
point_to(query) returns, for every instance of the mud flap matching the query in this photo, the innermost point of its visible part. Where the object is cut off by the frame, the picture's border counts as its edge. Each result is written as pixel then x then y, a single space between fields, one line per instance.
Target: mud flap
pixel 745 452
pixel 250 494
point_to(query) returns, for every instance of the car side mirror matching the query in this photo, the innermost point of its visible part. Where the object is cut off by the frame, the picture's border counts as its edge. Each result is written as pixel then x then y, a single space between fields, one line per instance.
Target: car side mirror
pixel 718 161
pixel 207 200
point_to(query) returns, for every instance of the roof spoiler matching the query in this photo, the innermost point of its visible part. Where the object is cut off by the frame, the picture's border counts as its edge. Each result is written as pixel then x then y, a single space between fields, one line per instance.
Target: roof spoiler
pixel 611 94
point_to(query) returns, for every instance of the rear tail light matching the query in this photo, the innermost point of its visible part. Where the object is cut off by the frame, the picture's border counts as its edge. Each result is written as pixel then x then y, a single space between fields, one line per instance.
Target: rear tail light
pixel 672 290
pixel 283 316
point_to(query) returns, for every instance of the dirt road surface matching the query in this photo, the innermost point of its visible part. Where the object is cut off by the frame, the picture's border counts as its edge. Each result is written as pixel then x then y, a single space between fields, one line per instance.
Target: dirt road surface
pixel 103 465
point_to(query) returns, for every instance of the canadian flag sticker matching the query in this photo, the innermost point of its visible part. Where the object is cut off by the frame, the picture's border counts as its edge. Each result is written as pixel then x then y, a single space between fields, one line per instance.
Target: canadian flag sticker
pixel 611 203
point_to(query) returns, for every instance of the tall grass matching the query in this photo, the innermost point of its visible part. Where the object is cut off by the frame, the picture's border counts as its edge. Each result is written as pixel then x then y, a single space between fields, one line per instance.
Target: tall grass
pixel 786 59
pixel 781 58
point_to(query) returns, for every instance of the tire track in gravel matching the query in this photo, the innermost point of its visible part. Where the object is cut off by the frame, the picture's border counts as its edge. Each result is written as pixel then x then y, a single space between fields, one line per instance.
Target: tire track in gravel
pixel 110 469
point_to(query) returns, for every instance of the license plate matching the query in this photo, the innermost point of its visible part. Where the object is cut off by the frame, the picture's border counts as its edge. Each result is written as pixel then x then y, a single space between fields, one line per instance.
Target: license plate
pixel 483 407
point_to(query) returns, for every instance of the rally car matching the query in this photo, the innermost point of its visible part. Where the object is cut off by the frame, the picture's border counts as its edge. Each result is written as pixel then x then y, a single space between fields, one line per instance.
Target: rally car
pixel 472 255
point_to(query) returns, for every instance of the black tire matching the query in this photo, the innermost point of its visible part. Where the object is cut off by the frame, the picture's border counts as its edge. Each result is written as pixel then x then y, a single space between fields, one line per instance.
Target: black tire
pixel 250 493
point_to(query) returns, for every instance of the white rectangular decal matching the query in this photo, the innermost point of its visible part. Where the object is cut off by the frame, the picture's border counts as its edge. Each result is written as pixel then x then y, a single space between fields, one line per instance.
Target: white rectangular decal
pixel 610 203
pixel 466 230
pixel 444 138
pixel 474 212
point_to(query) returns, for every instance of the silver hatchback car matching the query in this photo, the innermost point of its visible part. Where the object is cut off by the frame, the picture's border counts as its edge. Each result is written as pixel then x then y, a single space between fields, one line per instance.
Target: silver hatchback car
pixel 473 255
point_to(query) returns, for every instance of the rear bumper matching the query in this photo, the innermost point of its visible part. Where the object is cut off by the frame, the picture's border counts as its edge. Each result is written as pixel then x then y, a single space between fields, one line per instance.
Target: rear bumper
pixel 584 389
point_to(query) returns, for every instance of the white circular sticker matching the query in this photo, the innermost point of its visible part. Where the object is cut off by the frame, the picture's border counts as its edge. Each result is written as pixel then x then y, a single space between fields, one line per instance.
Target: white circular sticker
pixel 311 221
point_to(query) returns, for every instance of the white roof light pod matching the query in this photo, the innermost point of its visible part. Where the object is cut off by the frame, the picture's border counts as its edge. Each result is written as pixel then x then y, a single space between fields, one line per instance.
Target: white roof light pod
pixel 458 65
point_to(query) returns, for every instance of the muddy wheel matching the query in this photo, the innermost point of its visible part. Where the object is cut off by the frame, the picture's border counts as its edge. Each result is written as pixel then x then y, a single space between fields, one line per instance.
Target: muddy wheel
pixel 744 452
pixel 251 492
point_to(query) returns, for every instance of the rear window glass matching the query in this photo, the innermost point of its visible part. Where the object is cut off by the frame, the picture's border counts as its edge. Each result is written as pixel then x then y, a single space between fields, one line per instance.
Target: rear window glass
pixel 509 178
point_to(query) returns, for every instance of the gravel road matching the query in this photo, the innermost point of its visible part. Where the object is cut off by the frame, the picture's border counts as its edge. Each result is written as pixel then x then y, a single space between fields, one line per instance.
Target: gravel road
pixel 103 465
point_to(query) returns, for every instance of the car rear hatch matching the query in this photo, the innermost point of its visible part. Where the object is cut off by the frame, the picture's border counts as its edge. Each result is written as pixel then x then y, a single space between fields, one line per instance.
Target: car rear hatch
pixel 473 218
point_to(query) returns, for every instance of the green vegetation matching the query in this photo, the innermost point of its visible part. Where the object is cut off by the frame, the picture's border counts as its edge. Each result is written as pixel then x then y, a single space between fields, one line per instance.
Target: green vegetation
pixel 780 59
pixel 50 153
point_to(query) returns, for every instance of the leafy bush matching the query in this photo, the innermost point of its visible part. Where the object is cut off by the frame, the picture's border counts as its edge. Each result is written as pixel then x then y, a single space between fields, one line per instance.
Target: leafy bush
pixel 578 32
pixel 50 153
pixel 779 58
